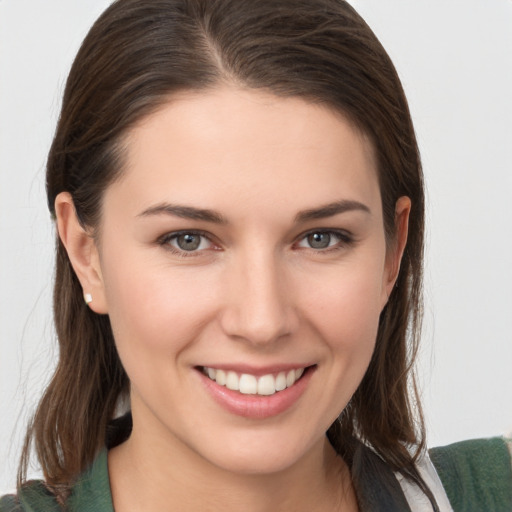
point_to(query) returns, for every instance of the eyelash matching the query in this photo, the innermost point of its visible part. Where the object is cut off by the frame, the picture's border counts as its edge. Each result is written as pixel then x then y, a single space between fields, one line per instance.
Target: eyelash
pixel 345 239
pixel 165 241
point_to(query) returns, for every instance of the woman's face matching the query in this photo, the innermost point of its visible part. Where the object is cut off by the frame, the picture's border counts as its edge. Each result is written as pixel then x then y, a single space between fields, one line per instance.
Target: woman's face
pixel 243 247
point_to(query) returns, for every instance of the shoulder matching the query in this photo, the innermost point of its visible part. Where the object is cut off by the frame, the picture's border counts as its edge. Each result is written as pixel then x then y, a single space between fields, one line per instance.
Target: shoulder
pixel 91 493
pixel 476 474
pixel 33 497
pixel 9 503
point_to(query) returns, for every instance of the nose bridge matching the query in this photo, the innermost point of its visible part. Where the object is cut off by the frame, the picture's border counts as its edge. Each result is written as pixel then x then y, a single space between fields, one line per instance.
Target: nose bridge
pixel 258 307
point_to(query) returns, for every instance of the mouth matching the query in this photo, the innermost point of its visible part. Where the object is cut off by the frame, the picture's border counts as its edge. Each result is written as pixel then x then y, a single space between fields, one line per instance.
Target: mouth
pixel 256 394
pixel 249 384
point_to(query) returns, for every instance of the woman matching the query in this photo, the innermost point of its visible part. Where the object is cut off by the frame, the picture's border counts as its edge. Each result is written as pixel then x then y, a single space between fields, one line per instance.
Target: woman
pixel 239 201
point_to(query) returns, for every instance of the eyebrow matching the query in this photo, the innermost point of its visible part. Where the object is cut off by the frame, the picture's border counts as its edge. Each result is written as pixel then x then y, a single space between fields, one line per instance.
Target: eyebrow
pixel 192 213
pixel 185 212
pixel 330 210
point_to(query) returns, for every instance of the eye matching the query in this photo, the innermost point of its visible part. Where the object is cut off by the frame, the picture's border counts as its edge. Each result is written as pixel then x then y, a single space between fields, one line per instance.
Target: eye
pixel 320 240
pixel 186 241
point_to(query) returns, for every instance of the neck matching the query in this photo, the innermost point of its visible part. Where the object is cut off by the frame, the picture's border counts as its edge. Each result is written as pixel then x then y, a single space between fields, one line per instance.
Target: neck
pixel 149 473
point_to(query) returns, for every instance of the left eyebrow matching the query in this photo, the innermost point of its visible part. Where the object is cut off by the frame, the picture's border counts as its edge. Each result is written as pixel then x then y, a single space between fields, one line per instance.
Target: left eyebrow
pixel 330 210
pixel 184 212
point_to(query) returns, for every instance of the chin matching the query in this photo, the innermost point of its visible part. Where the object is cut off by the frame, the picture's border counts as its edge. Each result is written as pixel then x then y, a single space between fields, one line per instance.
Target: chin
pixel 255 465
pixel 258 455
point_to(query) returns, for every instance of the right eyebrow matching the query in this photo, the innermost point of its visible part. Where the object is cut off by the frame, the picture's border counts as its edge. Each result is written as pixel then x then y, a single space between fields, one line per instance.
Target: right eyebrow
pixel 331 209
pixel 184 212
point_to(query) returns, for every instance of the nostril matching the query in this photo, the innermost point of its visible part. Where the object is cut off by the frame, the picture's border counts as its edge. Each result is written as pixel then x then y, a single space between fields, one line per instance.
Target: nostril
pixel 257 326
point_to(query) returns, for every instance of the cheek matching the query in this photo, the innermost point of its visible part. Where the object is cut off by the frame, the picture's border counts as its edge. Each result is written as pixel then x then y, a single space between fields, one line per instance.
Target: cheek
pixel 351 325
pixel 152 308
pixel 345 312
pixel 342 314
pixel 346 306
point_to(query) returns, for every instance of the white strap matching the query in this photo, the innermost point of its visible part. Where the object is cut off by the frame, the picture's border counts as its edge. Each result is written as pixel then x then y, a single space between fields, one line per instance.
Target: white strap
pixel 415 497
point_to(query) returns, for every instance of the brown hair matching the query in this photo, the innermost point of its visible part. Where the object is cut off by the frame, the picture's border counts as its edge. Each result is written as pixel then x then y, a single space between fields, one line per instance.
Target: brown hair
pixel 135 56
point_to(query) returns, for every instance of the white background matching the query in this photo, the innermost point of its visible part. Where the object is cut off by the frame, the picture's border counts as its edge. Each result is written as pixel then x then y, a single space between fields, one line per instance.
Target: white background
pixel 455 59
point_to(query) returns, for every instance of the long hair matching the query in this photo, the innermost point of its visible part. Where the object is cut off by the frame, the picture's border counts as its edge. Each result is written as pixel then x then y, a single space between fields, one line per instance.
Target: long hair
pixel 134 58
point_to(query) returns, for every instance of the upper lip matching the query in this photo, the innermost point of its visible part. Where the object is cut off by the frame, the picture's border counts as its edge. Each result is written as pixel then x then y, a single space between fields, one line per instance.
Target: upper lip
pixel 256 370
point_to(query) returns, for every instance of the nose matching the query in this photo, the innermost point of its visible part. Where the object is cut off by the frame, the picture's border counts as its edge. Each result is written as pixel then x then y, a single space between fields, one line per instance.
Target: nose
pixel 258 305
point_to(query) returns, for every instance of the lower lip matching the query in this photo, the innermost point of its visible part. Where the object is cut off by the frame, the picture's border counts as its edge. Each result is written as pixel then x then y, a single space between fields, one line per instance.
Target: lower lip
pixel 257 406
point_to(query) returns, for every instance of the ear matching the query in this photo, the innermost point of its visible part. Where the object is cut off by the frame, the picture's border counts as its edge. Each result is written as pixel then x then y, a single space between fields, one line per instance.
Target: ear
pixel 82 252
pixel 396 248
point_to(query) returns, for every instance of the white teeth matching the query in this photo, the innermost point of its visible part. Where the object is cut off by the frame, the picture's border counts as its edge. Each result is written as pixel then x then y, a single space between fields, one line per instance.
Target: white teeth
pixel 281 381
pixel 266 385
pixel 232 381
pixel 220 377
pixel 250 384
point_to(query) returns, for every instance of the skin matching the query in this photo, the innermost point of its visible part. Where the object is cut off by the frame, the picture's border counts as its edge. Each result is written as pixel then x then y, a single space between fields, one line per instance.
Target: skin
pixel 254 293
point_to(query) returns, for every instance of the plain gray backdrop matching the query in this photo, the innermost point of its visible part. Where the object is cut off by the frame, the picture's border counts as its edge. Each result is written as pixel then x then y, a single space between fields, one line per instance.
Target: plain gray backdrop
pixel 455 60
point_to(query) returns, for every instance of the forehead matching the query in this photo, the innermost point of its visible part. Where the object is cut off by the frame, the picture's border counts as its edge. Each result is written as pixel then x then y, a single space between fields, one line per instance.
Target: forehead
pixel 250 142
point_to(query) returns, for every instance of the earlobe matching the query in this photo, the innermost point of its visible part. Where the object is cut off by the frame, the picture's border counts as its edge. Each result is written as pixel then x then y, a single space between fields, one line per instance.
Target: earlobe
pixel 82 252
pixel 397 247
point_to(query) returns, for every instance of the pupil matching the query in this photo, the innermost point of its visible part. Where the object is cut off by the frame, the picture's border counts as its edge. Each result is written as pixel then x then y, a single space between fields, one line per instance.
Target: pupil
pixel 319 240
pixel 188 242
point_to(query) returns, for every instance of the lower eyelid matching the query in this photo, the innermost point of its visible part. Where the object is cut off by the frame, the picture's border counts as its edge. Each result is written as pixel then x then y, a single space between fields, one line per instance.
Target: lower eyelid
pixel 165 240
pixel 343 238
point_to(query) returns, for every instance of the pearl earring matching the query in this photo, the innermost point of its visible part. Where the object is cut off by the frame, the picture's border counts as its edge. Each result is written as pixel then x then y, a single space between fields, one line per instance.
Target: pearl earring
pixel 88 298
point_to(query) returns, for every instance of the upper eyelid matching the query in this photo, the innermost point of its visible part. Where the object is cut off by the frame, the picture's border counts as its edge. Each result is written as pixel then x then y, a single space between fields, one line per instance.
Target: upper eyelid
pixel 164 242
pixel 173 234
pixel 335 231
pixel 342 233
pixel 345 239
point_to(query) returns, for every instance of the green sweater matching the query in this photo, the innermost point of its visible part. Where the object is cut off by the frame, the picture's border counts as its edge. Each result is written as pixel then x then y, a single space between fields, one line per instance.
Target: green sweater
pixel 477 476
pixel 91 493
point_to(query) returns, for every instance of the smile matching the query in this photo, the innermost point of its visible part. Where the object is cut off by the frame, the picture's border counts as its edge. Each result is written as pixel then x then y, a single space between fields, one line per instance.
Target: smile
pixel 248 384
